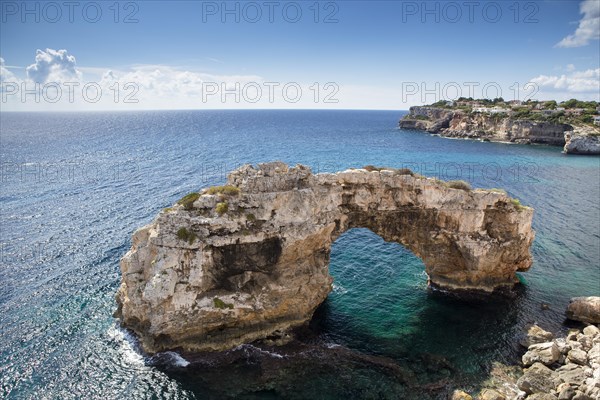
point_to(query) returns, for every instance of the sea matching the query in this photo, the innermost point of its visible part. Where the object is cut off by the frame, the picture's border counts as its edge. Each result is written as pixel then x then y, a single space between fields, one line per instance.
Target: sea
pixel 75 186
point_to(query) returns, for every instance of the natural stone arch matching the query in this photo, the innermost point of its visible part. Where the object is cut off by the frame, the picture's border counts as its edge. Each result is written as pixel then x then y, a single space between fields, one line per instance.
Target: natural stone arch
pixel 209 276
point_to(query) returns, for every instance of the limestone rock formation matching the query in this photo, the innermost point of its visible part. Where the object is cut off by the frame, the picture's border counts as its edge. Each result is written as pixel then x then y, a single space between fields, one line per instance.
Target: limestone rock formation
pixel 584 309
pixel 565 368
pixel 459 124
pixel 501 128
pixel 249 260
pixel 582 144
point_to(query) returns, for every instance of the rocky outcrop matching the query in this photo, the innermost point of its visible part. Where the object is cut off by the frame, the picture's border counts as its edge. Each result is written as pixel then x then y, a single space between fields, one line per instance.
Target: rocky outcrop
pixel 566 368
pixel 249 260
pixel 582 144
pixel 584 309
pixel 502 128
pixel 573 372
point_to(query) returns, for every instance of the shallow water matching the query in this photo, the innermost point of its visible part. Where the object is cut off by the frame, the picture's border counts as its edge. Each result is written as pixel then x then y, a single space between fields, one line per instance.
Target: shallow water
pixel 76 186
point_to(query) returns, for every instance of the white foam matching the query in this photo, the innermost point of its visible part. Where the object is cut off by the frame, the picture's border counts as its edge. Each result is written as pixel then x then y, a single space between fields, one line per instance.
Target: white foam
pixel 339 289
pixel 246 347
pixel 176 359
pixel 126 348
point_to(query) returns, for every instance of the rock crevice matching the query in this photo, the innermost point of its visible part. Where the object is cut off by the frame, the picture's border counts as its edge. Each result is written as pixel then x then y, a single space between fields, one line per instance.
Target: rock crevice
pixel 250 260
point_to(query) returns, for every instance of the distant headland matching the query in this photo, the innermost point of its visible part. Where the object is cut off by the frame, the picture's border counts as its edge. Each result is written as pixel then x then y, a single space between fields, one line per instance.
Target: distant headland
pixel 573 124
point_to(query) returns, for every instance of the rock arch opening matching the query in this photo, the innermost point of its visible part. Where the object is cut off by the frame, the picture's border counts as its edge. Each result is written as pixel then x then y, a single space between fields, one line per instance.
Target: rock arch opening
pixel 375 285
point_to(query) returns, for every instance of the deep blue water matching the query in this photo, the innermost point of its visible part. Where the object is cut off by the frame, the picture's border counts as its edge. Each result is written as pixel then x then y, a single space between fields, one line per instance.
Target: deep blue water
pixel 76 185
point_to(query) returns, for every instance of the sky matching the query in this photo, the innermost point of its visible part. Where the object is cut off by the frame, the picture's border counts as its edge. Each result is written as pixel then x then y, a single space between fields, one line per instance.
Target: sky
pixel 388 55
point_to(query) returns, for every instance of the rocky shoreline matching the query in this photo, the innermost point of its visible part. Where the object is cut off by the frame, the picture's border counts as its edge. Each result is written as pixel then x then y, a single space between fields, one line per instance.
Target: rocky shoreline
pixel 502 128
pixel 562 368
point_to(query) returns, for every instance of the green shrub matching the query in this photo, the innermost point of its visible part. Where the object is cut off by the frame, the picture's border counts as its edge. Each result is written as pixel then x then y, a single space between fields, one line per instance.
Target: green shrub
pixel 222 208
pixel 188 200
pixel 421 117
pixel 250 217
pixel 517 204
pixel 227 190
pixel 186 236
pixel 220 304
pixel 404 171
pixel 371 168
pixel 459 185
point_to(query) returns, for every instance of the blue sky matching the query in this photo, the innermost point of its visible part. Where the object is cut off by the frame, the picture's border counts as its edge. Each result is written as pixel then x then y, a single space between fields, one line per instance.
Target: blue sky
pixel 374 55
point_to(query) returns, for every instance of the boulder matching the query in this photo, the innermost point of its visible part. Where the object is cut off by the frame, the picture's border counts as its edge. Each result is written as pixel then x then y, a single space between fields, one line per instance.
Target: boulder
pixel 490 394
pixel 585 341
pixel 536 335
pixel 573 374
pixel 537 379
pixel 566 393
pixel 563 346
pixel 584 309
pixel 581 396
pixel 545 353
pixel 592 331
pixel 578 356
pixel 542 396
pixel 460 395
pixel 594 356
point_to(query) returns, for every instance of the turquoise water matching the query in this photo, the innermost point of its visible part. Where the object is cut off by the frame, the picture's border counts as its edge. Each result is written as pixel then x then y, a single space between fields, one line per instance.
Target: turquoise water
pixel 76 186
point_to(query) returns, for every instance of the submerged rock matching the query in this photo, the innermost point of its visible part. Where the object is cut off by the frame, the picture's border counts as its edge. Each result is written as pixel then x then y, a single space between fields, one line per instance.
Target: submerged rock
pixel 249 260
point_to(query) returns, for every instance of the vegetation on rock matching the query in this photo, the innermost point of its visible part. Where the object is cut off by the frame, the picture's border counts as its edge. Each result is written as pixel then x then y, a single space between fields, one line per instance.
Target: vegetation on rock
pixel 226 190
pixel 459 185
pixel 188 200
pixel 220 304
pixel 222 208
pixel 186 236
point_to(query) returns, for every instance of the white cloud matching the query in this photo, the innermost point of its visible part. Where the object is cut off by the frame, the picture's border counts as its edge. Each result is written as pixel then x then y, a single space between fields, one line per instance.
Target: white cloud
pixel 576 82
pixel 589 26
pixel 53 66
pixel 5 74
pixel 571 67
pixel 140 87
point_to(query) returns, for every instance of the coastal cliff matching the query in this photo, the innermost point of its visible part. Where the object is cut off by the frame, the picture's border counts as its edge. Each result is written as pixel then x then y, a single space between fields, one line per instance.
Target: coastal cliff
pixel 501 128
pixel 249 260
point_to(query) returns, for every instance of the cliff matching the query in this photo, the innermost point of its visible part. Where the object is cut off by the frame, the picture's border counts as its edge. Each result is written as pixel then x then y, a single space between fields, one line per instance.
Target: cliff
pixel 502 128
pixel 249 260
pixel 578 142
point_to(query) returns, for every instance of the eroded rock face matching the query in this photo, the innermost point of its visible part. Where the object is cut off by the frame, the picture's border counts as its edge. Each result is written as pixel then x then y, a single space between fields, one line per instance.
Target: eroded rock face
pixel 233 267
pixel 584 144
pixel 459 124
